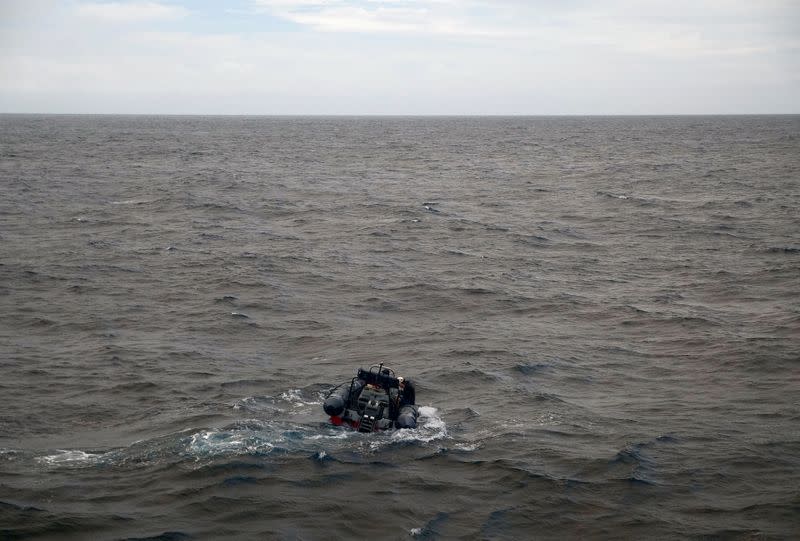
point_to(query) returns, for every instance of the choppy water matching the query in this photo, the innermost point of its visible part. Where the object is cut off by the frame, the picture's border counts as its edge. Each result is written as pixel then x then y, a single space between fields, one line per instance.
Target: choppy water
pixel 601 315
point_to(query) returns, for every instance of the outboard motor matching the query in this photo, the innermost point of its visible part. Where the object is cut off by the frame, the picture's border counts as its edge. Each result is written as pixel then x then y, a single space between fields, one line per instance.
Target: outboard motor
pixel 373 406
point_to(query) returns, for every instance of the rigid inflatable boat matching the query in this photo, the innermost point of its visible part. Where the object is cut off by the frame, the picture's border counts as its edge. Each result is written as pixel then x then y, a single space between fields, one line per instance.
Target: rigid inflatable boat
pixel 375 399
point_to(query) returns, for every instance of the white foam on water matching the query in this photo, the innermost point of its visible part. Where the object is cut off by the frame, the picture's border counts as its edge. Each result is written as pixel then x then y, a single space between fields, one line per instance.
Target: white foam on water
pixel 246 402
pixel 290 401
pixel 430 427
pixel 545 419
pixel 256 436
pixel 467 447
pixel 70 457
pixel 132 201
pixel 340 434
pixel 257 404
pixel 222 442
pixel 263 437
pixel 295 396
pixel 260 437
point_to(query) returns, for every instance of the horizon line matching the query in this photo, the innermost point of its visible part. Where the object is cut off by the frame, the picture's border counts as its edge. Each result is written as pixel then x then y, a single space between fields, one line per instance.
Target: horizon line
pixel 401 115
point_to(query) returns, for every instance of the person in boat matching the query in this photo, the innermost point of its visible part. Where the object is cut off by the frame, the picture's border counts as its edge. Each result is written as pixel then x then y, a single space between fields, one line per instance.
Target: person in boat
pixel 375 399
pixel 408 394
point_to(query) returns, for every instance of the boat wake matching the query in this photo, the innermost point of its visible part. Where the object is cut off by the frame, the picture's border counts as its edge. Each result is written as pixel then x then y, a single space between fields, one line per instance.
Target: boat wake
pixel 287 424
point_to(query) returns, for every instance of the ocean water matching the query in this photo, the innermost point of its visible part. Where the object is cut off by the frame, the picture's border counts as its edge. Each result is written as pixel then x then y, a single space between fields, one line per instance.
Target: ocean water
pixel 601 316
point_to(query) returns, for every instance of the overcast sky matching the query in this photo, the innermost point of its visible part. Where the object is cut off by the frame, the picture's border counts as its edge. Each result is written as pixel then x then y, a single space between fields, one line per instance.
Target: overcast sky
pixel 400 56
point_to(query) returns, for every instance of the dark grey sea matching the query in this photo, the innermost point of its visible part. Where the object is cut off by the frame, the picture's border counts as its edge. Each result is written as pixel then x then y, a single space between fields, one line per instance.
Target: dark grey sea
pixel 601 316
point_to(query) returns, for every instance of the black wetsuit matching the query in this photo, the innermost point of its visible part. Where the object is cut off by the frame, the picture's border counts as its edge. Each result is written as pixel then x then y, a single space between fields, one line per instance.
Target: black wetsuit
pixel 409 395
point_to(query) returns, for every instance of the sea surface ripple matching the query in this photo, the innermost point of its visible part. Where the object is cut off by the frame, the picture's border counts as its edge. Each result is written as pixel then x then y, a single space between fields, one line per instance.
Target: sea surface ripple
pixel 601 315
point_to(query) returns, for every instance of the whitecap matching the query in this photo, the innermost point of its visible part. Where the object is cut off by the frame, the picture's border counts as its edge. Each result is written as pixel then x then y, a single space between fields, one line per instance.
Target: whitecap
pixel 132 202
pixel 466 447
pixel 295 396
pixel 70 456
